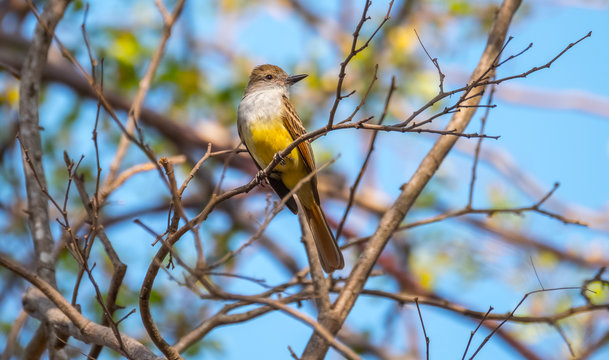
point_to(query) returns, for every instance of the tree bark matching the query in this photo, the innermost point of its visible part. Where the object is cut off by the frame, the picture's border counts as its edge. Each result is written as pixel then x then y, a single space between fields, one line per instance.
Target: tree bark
pixel 35 180
pixel 29 135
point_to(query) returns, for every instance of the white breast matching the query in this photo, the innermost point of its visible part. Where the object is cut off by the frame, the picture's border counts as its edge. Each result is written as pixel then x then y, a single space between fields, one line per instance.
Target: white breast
pixel 262 105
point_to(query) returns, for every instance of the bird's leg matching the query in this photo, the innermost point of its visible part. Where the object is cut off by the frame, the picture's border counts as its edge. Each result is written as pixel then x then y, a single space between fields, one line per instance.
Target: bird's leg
pixel 260 177
pixel 279 159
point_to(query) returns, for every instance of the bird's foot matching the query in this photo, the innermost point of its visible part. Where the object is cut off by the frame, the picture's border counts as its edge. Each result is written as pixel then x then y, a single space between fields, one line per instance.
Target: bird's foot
pixel 279 159
pixel 260 177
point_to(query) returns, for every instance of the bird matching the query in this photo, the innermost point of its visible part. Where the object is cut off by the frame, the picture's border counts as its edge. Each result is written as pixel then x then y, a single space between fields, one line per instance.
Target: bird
pixel 267 124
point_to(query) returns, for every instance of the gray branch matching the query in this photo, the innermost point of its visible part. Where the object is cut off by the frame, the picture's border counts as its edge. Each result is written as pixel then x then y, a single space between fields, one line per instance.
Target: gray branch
pixel 29 135
pixel 40 307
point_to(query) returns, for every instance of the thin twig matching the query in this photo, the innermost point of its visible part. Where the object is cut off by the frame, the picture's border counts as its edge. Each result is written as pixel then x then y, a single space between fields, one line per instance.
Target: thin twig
pixel 144 85
pixel 468 210
pixel 536 274
pixel 416 301
pixel 512 314
pixel 562 334
pixel 360 175
pixel 478 146
pixel 276 209
pixel 441 303
pixel 78 325
pixel 364 98
pixel 434 61
pixel 352 52
pixel 96 88
pixel 194 169
pixel 471 335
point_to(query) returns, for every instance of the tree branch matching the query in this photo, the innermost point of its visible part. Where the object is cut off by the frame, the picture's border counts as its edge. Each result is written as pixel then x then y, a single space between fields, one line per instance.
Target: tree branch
pixel 29 135
pixel 47 304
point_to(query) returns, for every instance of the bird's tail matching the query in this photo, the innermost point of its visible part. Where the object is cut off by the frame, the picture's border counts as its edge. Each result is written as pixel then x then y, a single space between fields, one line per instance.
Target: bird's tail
pixel 329 254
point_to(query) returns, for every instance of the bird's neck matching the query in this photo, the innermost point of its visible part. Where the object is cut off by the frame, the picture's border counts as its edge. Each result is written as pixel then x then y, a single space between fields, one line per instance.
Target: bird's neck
pixel 265 90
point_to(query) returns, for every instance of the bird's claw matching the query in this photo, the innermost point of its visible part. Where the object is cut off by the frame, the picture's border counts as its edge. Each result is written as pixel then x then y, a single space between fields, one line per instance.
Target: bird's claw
pixel 279 159
pixel 260 177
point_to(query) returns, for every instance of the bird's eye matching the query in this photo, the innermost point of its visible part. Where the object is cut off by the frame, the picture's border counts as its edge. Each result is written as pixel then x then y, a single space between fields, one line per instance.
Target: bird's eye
pixel 269 77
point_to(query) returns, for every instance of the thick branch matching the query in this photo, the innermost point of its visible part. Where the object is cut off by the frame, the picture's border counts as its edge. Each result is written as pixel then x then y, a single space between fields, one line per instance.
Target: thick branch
pixel 47 304
pixel 29 135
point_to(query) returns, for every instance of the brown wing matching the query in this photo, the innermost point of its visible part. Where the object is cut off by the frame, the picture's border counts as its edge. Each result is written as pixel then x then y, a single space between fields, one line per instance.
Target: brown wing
pixel 294 126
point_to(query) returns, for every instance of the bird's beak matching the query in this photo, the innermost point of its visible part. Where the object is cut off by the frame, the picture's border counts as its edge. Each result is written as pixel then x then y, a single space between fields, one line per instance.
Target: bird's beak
pixel 296 78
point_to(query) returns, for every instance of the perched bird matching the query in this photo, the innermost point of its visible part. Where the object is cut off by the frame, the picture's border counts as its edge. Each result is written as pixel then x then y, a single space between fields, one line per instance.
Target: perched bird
pixel 267 124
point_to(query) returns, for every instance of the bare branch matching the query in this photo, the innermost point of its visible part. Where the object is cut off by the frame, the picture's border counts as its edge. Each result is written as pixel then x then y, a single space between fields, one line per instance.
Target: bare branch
pixel 118 267
pixel 434 61
pixel 368 155
pixel 416 301
pixel 471 336
pixel 438 302
pixel 562 334
pixel 512 314
pixel 354 51
pixel 11 338
pixel 478 146
pixel 62 315
pixel 144 85
pixel 29 134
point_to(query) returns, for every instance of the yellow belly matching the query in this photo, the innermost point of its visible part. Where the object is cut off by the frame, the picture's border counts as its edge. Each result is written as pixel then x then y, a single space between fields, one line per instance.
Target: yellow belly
pixel 269 138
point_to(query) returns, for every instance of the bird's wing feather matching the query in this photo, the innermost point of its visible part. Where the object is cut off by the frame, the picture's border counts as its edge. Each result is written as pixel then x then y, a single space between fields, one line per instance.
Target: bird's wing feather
pixel 294 126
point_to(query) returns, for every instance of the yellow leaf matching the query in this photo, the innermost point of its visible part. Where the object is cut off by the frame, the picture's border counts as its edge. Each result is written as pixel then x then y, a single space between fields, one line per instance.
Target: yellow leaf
pixel 547 260
pixel 599 292
pixel 125 48
pixel 427 83
pixel 12 96
pixel 228 5
pixel 427 279
pixel 403 39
